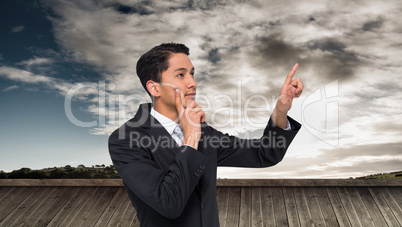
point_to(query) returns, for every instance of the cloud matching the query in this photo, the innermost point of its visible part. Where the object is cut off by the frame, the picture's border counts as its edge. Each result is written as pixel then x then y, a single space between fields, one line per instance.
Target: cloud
pixel 17 29
pixel 36 61
pixel 23 76
pixel 372 25
pixel 141 8
pixel 10 88
pixel 81 90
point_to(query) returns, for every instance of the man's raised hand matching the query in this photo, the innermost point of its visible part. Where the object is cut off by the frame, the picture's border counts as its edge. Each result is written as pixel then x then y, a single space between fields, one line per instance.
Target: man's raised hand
pixel 291 89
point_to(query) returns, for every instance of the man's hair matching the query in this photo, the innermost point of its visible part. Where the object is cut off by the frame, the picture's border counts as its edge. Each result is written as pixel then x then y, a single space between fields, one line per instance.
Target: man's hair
pixel 153 63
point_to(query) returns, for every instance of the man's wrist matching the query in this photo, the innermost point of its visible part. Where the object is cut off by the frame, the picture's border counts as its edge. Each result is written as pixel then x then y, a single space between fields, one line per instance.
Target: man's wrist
pixel 189 141
pixel 280 118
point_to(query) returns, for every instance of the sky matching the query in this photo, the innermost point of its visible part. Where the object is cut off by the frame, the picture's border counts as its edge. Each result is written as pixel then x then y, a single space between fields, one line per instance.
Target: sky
pixel 67 77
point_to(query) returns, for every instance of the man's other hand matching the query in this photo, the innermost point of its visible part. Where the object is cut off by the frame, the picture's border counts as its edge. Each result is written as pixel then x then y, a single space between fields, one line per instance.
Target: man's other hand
pixel 190 118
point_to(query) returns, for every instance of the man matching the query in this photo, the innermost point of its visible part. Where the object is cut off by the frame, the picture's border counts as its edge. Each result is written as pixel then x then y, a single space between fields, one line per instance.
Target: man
pixel 167 155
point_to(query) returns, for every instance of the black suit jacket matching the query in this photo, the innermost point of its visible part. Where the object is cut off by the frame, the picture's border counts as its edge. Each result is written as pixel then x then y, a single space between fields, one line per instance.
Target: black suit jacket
pixel 171 185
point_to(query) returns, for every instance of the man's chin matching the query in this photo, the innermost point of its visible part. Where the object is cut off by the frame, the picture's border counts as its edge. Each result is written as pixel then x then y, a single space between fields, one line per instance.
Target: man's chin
pixel 188 100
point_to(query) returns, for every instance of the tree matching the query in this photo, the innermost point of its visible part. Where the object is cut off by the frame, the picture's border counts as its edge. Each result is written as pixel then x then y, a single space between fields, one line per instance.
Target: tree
pixel 57 174
pixel 68 168
pixel 21 173
pixel 3 175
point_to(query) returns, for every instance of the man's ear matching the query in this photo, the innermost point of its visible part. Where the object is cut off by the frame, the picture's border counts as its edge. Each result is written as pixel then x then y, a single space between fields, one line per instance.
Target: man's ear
pixel 153 88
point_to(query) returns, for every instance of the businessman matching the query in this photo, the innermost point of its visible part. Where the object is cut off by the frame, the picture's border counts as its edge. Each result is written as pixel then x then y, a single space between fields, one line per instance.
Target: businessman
pixel 167 155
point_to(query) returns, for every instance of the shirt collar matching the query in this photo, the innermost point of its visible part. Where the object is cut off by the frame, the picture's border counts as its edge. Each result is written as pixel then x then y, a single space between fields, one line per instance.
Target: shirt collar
pixel 168 124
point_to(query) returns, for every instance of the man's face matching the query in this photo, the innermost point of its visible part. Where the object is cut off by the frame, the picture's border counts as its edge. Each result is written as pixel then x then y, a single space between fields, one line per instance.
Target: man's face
pixel 180 75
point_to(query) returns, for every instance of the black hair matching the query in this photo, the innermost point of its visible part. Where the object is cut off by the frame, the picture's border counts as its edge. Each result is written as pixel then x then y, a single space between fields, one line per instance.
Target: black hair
pixel 153 63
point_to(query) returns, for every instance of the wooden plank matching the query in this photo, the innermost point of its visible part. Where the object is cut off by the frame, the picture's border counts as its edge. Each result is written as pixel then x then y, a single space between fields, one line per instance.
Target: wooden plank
pixel 56 206
pixel 4 192
pixel 348 206
pixel 115 220
pixel 278 201
pixel 26 216
pixel 267 206
pixel 68 206
pixel 371 206
pixel 220 182
pixel 325 207
pixel 337 205
pixel 291 208
pixel 15 213
pixel 302 207
pixel 223 201
pixel 383 206
pixel 396 194
pixel 362 214
pixel 234 207
pixel 313 206
pixel 111 208
pixel 78 204
pixel 393 205
pixel 136 222
pixel 87 208
pixel 129 217
pixel 100 206
pixel 16 196
pixel 125 215
pixel 245 206
pixel 256 210
pixel 42 206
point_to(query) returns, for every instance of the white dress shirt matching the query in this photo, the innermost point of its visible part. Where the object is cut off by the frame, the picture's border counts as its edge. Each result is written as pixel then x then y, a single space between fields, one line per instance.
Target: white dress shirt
pixel 169 125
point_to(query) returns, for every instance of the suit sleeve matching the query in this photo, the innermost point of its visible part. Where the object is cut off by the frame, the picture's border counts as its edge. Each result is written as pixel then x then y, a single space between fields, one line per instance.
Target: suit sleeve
pixel 263 152
pixel 166 192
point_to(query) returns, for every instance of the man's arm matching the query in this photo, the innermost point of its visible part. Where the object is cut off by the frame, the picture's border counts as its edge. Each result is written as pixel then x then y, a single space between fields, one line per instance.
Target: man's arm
pixel 263 152
pixel 271 147
pixel 166 191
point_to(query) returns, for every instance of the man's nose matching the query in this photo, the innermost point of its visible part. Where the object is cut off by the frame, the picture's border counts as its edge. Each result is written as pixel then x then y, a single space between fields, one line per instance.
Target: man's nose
pixel 191 82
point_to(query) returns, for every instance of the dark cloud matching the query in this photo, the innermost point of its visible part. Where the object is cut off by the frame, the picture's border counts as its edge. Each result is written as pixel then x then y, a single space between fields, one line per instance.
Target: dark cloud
pixel 214 56
pixel 336 48
pixel 328 58
pixel 275 51
pixel 204 5
pixel 139 8
pixel 148 7
pixel 373 24
pixel 391 149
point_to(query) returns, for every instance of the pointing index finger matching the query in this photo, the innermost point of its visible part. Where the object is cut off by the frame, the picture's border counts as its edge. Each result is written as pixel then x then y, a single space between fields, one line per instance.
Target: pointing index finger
pixel 290 75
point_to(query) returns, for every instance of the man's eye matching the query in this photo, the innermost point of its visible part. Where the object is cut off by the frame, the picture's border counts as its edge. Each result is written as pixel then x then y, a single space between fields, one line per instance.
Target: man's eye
pixel 180 75
pixel 192 74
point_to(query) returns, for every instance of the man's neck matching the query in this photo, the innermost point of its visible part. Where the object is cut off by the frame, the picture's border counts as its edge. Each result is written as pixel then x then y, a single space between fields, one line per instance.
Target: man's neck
pixel 166 111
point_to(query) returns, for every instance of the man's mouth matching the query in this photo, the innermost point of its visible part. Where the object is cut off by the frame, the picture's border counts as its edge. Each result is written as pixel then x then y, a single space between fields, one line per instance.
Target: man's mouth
pixel 191 95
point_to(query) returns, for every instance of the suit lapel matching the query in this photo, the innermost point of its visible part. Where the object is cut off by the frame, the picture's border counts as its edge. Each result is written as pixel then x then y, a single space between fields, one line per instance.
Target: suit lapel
pixel 154 128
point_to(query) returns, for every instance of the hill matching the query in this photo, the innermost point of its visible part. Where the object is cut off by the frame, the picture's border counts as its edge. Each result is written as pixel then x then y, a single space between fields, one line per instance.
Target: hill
pixel 392 175
pixel 66 172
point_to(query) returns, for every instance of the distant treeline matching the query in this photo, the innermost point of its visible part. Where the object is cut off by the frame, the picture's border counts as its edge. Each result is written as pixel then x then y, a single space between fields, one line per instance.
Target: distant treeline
pixel 391 175
pixel 66 172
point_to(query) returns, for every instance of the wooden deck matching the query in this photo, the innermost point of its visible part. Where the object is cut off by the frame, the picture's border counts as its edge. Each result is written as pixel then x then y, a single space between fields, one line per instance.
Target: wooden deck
pixel 303 203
